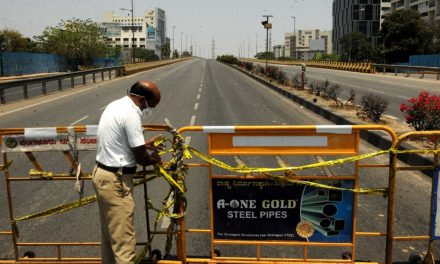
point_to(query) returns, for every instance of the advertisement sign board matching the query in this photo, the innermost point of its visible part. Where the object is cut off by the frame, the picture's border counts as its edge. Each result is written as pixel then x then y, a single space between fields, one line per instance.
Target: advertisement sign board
pixel 254 209
pixel 151 33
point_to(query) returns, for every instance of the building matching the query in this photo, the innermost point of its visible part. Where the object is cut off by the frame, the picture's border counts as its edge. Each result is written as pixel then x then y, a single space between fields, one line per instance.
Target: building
pixel 428 9
pixel 149 30
pixel 278 51
pixel 357 16
pixel 306 43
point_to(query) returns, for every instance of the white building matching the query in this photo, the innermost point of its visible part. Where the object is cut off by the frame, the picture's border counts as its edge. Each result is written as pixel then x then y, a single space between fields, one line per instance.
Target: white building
pixel 278 51
pixel 428 9
pixel 306 43
pixel 148 30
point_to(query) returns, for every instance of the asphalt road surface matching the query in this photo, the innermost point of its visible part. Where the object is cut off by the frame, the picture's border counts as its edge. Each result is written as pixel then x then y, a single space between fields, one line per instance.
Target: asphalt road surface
pixel 194 92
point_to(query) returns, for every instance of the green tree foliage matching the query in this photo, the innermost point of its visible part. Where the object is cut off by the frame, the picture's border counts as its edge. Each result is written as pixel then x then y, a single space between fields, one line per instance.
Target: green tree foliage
pixel 325 57
pixel 14 41
pixel 78 40
pixel 228 59
pixel 265 55
pixel 175 54
pixel 436 32
pixel 145 55
pixel 355 47
pixel 403 34
pixel 166 50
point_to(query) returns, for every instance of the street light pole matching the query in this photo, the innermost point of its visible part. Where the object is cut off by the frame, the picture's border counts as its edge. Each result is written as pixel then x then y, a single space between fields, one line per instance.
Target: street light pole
pixel 256 44
pixel 172 52
pixel 181 37
pixel 267 26
pixel 294 36
pixel 132 29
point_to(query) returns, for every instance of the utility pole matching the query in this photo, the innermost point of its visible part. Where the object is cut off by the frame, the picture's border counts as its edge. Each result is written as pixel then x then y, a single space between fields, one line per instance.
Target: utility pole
pixel 181 37
pixel 256 44
pixel 213 49
pixel 132 29
pixel 294 37
pixel 249 46
pixel 172 52
pixel 267 26
pixel 191 45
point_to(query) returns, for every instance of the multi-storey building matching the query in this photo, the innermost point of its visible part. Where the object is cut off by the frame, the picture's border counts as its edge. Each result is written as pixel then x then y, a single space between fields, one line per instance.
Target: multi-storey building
pixel 428 9
pixel 306 43
pixel 146 31
pixel 362 16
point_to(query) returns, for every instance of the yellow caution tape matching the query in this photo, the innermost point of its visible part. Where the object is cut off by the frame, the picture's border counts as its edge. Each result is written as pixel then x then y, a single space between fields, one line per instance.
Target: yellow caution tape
pixel 381 191
pixel 247 170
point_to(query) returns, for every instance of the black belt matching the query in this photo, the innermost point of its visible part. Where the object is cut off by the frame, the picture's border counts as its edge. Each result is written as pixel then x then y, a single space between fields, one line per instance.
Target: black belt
pixel 125 170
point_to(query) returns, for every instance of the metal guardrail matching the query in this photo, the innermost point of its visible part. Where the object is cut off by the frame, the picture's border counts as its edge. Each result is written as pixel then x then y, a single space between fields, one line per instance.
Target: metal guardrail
pixel 44 80
pixel 408 69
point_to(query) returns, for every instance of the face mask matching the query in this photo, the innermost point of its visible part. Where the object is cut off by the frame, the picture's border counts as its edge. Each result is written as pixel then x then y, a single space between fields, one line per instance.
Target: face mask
pixel 146 113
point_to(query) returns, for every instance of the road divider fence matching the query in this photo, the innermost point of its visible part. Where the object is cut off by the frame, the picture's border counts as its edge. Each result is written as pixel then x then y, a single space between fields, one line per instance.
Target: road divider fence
pixel 112 72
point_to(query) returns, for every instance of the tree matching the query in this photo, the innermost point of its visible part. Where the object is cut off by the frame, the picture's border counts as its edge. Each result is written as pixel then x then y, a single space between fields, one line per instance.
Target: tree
pixel 145 55
pixel 403 34
pixel 355 47
pixel 166 50
pixel 265 55
pixel 436 32
pixel 14 41
pixel 175 54
pixel 78 40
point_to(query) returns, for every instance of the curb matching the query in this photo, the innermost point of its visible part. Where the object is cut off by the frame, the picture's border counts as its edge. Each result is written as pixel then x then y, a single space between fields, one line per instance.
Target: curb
pixel 371 137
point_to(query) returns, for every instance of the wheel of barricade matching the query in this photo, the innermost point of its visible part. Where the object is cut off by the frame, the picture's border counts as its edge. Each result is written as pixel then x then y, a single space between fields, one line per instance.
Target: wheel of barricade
pixel 29 254
pixel 156 255
pixel 415 258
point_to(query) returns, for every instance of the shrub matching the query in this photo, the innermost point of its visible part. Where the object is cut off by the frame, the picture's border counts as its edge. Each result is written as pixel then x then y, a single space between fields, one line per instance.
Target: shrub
pixel 271 72
pixel 422 113
pixel 231 59
pixel 351 99
pixel 281 76
pixel 297 81
pixel 249 66
pixel 373 106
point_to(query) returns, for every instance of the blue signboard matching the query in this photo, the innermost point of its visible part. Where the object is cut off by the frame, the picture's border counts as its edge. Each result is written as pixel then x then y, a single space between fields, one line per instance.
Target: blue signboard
pixel 250 209
pixel 151 32
pixel 435 229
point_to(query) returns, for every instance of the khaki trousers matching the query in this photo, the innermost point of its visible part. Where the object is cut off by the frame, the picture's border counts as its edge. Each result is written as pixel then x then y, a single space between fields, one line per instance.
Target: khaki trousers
pixel 116 209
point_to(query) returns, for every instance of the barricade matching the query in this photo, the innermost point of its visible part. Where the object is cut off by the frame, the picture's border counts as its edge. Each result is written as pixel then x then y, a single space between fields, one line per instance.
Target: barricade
pixel 270 204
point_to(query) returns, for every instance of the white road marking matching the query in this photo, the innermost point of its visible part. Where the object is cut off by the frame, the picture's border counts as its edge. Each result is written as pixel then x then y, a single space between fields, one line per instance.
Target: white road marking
pixel 200 90
pixel 196 106
pixel 198 96
pixel 102 108
pixel 79 120
pixel 187 140
pixel 193 121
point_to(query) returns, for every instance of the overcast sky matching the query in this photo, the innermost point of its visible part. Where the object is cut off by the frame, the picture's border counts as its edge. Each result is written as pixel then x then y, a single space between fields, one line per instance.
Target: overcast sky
pixel 230 23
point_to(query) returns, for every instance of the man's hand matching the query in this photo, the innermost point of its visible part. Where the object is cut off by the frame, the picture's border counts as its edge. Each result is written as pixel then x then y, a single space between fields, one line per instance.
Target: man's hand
pixel 155 158
pixel 149 144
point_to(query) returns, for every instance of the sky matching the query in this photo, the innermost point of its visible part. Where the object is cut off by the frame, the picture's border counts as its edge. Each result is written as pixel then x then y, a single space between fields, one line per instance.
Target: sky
pixel 234 25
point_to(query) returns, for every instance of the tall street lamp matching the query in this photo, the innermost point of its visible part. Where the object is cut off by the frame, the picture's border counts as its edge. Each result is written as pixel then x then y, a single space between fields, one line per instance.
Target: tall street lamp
pixel 172 52
pixel 267 26
pixel 132 29
pixel 294 37
pixel 256 44
pixel 181 37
